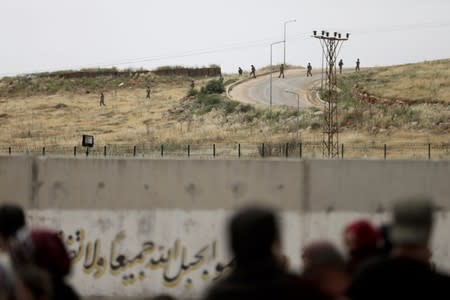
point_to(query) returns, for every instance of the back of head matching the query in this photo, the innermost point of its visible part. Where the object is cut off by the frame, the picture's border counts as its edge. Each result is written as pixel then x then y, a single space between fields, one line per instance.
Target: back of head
pixel 43 248
pixel 412 222
pixel 253 232
pixel 322 254
pixel 361 235
pixel 12 219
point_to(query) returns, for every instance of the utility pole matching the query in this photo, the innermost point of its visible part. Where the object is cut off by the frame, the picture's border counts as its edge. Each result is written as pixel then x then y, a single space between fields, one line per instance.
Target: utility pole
pixel 271 71
pixel 331 45
pixel 284 40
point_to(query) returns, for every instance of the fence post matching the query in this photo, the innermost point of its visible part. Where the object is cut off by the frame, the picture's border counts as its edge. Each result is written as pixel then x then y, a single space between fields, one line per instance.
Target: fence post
pixel 262 149
pixel 287 150
pixel 429 151
pixel 342 151
pixel 214 150
pixel 134 151
pixel 9 150
pixel 75 151
pixel 239 150
pixel 385 151
pixel 301 150
pixel 87 151
pixel 162 150
pixel 43 151
pixel 189 150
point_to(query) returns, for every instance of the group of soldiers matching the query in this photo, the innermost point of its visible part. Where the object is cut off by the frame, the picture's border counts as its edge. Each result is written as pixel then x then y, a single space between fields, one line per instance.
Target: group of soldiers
pixel 252 74
pixel 308 69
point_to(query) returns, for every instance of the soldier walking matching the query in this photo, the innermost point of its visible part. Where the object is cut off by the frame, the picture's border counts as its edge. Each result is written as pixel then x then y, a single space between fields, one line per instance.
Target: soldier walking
pixel 102 99
pixel 240 71
pixel 253 73
pixel 149 92
pixel 357 65
pixel 341 64
pixel 281 71
pixel 309 70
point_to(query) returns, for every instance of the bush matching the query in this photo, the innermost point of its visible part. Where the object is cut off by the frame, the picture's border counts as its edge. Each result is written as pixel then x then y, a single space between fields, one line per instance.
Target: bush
pixel 192 93
pixel 213 87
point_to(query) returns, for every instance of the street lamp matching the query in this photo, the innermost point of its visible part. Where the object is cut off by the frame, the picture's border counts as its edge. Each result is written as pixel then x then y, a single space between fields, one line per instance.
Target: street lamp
pixel 298 111
pixel 271 70
pixel 284 40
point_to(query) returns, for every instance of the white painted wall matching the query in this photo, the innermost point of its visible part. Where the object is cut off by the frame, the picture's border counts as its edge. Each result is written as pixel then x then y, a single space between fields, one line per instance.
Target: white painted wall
pixel 198 232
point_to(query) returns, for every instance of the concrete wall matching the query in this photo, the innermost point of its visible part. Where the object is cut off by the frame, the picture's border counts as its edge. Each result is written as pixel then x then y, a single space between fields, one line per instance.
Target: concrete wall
pixel 131 225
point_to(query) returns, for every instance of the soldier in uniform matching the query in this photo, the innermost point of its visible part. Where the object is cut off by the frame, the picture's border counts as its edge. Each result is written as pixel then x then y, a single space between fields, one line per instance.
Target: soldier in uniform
pixel 357 65
pixel 240 71
pixel 253 73
pixel 309 70
pixel 281 71
pixel 341 64
pixel 102 99
pixel 149 91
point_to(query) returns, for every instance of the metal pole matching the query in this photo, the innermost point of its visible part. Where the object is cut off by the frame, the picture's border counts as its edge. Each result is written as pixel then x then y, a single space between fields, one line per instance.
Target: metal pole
pixel 271 70
pixel 429 151
pixel 298 117
pixel 385 150
pixel 189 150
pixel 43 151
pixel 75 151
pixel 284 40
pixel 239 150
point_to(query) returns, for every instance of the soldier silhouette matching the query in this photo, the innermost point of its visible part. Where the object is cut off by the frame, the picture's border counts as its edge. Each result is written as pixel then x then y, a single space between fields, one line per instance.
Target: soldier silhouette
pixel 281 71
pixel 102 99
pixel 357 65
pixel 253 73
pixel 149 91
pixel 309 70
pixel 341 63
pixel 240 71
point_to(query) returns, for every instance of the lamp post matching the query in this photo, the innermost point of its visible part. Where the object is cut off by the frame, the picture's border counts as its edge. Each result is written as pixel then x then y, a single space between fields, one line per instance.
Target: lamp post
pixel 298 111
pixel 284 39
pixel 271 71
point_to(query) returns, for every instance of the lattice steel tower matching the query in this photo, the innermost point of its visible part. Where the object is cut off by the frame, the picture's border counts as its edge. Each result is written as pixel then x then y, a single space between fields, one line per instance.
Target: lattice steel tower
pixel 331 46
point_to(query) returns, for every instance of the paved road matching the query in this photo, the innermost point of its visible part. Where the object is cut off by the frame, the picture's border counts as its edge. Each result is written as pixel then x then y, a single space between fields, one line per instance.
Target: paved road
pixel 258 90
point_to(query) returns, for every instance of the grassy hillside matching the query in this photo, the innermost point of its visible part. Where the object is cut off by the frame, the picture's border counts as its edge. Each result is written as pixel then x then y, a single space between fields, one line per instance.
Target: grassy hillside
pixel 37 111
pixel 422 82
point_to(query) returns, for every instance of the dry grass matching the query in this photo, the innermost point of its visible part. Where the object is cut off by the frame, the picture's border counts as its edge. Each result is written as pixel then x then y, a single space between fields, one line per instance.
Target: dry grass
pixel 421 82
pixel 61 118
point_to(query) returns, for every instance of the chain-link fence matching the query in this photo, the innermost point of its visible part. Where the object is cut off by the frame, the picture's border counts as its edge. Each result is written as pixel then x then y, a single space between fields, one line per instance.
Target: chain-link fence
pixel 262 150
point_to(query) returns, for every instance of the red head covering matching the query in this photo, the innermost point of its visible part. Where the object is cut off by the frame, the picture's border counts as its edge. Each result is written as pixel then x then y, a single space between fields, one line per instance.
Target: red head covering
pixel 45 249
pixel 361 235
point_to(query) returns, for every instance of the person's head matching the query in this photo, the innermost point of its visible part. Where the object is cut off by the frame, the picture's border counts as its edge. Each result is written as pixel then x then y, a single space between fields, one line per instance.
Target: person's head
pixel 43 248
pixel 360 237
pixel 412 224
pixel 325 266
pixel 6 282
pixel 12 219
pixel 253 235
pixel 32 283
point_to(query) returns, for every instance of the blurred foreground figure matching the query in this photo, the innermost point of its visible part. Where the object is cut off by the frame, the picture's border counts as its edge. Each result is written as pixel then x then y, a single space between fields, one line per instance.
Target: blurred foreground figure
pixel 407 273
pixel 325 267
pixel 255 241
pixel 6 282
pixel 33 284
pixel 361 240
pixel 38 247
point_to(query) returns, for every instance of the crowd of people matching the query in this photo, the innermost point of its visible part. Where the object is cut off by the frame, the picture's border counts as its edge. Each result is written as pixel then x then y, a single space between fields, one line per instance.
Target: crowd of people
pixel 392 261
